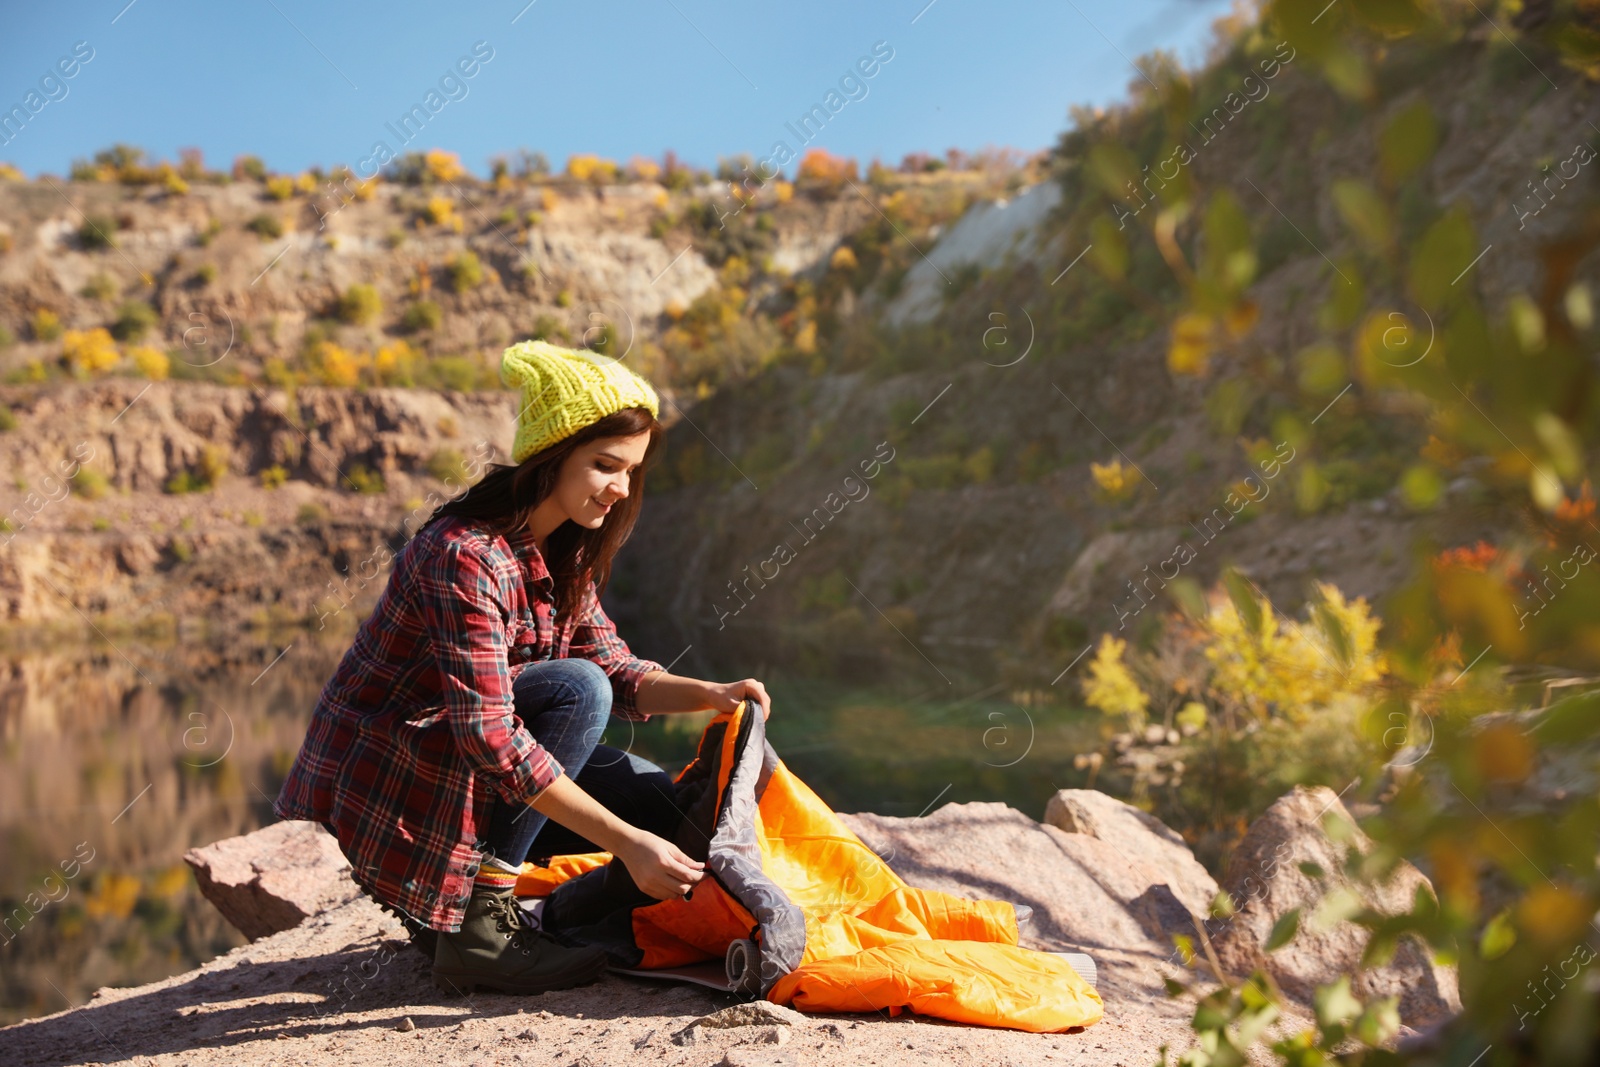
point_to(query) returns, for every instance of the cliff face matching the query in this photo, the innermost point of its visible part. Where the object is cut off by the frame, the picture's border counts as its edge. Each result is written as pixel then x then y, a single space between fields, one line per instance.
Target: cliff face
pixel 556 258
pixel 93 533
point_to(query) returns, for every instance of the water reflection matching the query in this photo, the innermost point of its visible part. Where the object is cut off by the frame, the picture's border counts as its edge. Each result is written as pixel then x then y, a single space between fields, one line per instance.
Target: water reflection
pixel 118 757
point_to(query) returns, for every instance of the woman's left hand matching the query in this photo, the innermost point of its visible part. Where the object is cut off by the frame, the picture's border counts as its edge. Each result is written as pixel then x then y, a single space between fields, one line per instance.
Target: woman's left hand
pixel 728 696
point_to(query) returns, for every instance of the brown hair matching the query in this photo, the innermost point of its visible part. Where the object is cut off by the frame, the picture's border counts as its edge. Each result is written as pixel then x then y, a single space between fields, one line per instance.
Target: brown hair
pixel 503 500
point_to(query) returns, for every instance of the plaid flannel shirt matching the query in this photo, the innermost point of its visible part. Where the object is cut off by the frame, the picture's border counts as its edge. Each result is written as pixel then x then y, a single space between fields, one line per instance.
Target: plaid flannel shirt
pixel 416 734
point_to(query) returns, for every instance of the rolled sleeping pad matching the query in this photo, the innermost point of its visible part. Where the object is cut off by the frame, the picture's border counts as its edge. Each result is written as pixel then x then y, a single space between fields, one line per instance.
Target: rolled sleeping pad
pixel 1078 961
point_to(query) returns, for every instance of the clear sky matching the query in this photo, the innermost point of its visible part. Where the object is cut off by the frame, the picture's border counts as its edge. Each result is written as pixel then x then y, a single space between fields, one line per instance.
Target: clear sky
pixel 301 83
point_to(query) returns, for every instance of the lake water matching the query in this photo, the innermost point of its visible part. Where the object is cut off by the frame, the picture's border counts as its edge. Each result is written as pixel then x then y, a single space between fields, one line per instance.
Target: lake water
pixel 119 756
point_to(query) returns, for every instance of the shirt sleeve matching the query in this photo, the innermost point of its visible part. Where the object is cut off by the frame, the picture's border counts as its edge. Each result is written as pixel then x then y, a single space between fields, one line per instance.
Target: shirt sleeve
pixel 595 637
pixel 464 615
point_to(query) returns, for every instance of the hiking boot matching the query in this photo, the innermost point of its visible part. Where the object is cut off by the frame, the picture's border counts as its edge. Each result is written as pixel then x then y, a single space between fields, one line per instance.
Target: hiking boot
pixel 497 948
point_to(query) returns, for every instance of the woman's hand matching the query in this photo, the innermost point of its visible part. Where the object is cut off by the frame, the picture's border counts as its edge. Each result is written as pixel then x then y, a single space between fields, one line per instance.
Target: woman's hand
pixel 659 867
pixel 728 696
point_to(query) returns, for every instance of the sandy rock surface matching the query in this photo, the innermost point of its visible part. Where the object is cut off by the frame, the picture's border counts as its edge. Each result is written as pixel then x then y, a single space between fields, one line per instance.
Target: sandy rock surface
pixel 343 987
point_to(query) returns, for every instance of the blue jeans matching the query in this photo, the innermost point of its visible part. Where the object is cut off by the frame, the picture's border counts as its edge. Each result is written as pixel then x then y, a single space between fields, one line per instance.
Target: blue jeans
pixel 565 704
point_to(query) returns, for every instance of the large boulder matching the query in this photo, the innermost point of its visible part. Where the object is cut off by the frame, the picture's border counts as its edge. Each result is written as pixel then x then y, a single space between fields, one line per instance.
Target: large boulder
pixel 272 879
pixel 1265 881
pixel 1117 899
pixel 1138 835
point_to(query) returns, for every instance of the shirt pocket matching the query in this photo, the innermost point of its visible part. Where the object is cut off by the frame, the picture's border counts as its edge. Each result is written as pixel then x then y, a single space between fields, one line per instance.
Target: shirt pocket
pixel 523 641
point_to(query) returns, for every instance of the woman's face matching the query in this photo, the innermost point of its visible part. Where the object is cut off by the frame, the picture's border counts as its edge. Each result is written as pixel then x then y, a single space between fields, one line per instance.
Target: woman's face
pixel 597 474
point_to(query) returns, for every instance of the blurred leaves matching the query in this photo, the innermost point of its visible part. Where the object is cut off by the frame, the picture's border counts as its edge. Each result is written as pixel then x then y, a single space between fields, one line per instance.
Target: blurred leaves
pixel 1407 142
pixel 1365 214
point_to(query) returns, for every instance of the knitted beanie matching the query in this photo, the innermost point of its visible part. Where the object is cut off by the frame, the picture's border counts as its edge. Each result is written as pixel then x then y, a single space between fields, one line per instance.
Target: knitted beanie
pixel 566 389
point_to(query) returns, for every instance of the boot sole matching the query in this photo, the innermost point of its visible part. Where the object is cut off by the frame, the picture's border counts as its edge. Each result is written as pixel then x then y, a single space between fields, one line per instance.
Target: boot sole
pixel 463 983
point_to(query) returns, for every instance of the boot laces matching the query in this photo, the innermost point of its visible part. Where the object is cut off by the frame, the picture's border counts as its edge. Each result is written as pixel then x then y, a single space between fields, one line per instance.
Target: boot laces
pixel 509 918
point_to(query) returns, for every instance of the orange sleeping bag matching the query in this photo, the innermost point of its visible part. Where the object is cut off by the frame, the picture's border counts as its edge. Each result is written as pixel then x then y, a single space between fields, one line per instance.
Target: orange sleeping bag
pixel 832 926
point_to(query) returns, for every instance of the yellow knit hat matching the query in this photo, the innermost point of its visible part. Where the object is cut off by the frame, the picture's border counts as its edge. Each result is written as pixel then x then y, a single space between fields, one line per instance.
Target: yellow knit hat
pixel 566 389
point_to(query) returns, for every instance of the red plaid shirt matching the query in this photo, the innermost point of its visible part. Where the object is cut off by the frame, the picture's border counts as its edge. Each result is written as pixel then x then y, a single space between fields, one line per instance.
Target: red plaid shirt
pixel 417 724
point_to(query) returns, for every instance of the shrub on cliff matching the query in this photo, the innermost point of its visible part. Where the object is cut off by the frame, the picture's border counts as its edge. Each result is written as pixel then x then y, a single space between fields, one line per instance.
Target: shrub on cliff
pixel 150 362
pixel 360 305
pixel 89 352
pixel 134 319
pixel 97 232
pixel 265 226
pixel 422 315
pixel 208 471
pixel 46 325
pixel 364 479
pixel 89 483
pixel 466 272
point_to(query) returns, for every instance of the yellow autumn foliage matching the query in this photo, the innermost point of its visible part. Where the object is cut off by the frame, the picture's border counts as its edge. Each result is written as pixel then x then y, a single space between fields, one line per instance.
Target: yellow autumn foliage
pixel 1277 664
pixel 150 362
pixel 394 362
pixel 1110 686
pixel 1114 479
pixel 112 897
pixel 441 210
pixel 89 351
pixel 332 364
pixel 1190 351
pixel 591 168
pixel 443 166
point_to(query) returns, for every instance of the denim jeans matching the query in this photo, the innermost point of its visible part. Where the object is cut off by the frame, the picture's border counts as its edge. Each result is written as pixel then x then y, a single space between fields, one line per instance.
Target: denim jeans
pixel 565 704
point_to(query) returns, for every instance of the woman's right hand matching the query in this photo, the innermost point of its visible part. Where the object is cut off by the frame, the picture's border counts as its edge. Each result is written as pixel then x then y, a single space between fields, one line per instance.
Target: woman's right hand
pixel 659 867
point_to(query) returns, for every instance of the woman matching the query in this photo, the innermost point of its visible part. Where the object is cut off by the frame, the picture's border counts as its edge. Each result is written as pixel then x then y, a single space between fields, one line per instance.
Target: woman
pixel 458 735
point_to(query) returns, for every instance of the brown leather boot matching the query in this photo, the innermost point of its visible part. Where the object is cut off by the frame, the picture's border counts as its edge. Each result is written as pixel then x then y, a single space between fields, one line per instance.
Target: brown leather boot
pixel 496 949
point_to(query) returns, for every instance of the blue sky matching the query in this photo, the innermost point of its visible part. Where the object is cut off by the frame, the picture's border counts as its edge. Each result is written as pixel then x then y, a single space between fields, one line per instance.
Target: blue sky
pixel 301 83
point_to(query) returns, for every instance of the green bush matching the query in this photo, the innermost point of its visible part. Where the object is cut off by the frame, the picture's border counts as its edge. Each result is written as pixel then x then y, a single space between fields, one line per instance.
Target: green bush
pixel 310 514
pixel 545 327
pixel 99 287
pixel 466 272
pixel 134 319
pixel 7 338
pixel 365 480
pixel 446 465
pixel 266 226
pixel 98 231
pixel 207 472
pixel 423 315
pixel 8 421
pixel 457 373
pixel 360 305
pixel 274 476
pixel 89 484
